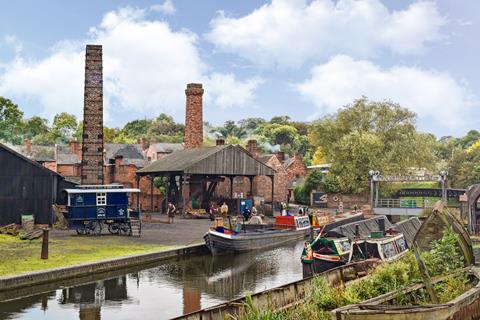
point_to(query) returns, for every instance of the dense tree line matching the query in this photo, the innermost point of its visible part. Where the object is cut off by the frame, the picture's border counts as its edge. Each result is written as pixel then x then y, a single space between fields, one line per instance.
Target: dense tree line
pixel 359 137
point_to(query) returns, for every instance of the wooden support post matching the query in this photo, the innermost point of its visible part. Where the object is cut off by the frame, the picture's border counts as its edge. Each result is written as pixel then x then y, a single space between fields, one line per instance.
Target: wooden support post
pixel 424 273
pixel 44 254
pixel 137 180
pixel 151 193
pixel 273 194
pixel 231 186
pixel 251 185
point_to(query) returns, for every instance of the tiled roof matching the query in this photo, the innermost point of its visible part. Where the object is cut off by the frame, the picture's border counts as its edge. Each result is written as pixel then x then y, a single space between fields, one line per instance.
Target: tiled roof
pixel 127 151
pixel 168 147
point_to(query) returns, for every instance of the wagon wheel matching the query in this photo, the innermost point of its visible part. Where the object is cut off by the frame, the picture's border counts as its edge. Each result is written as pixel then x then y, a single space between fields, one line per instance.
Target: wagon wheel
pixel 114 228
pixel 95 228
pixel 124 229
pixel 81 230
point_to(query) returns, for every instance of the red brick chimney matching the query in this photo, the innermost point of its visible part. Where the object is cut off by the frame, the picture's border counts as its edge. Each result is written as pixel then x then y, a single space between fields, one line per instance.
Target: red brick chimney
pixel 193 116
pixel 280 156
pixel 143 142
pixel 74 146
pixel 220 142
pixel 252 148
pixel 118 160
pixel 28 147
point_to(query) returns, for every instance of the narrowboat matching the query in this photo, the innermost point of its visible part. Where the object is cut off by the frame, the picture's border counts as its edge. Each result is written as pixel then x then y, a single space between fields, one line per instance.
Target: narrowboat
pixel 248 237
pixel 325 253
pixel 92 208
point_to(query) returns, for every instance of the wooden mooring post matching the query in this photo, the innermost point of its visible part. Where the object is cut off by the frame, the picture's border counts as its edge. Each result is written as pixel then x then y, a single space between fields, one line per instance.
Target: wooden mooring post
pixel 44 254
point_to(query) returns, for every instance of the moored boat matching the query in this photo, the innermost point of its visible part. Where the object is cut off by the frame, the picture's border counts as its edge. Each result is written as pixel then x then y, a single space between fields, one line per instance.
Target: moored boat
pixel 248 237
pixel 327 252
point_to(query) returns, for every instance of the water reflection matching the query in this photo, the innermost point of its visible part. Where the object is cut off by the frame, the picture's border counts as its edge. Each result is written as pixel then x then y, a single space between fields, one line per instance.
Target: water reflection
pixel 166 290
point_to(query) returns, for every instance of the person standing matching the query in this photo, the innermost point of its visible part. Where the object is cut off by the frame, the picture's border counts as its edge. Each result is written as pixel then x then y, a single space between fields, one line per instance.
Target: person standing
pixel 224 210
pixel 171 212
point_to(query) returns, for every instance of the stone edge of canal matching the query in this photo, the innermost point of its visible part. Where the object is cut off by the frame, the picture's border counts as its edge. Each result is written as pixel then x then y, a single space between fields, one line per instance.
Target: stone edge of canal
pixel 51 275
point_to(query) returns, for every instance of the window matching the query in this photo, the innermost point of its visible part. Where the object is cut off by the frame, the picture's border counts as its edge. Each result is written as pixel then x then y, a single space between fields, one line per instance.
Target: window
pixel 101 199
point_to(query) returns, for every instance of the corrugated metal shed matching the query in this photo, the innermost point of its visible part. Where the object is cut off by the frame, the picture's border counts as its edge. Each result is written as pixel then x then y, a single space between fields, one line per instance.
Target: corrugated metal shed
pixel 217 160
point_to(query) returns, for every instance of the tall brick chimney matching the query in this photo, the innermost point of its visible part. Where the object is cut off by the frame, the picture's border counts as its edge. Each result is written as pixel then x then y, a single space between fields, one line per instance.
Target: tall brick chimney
pixel 92 139
pixel 193 116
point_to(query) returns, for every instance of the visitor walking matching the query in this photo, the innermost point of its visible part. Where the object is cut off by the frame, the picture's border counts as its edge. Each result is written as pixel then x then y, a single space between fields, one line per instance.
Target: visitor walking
pixel 171 212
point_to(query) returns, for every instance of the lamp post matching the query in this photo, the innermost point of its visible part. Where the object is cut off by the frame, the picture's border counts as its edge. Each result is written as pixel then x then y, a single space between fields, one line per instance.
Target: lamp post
pixel 443 180
pixel 373 176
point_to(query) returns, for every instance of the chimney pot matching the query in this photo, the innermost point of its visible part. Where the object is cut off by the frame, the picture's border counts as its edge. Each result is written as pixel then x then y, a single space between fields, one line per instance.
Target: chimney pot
pixel 118 160
pixel 28 147
pixel 252 147
pixel 193 116
pixel 281 156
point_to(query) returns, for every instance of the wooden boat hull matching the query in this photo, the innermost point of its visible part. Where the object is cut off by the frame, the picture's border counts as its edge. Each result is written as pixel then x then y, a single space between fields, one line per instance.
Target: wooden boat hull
pixel 280 297
pixel 464 307
pixel 219 243
pixel 319 266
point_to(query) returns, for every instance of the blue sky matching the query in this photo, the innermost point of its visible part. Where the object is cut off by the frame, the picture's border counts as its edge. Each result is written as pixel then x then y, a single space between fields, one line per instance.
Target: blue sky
pixel 302 58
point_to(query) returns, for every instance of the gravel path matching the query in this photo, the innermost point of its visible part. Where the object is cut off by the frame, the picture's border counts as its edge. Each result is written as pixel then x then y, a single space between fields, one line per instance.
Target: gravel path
pixel 182 232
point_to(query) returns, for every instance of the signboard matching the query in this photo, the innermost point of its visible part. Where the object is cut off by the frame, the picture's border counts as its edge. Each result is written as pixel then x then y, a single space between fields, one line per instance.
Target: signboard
pixel 406 178
pixel 430 193
pixel 320 199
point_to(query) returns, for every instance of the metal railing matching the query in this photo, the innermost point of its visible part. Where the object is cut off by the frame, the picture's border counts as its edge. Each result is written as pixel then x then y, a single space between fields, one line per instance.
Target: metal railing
pixel 404 203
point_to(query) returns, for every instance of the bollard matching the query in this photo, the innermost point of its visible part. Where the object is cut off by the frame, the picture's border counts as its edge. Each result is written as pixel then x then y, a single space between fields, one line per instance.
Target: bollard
pixel 44 254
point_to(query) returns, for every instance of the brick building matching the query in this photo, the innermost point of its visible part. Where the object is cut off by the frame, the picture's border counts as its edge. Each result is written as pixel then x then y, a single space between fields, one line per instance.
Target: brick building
pixel 157 151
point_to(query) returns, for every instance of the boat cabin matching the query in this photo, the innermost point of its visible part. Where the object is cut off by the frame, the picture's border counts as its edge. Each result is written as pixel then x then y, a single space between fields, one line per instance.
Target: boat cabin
pixel 385 248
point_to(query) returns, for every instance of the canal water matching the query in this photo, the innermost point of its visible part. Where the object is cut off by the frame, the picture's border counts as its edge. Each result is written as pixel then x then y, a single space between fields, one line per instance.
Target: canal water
pixel 160 291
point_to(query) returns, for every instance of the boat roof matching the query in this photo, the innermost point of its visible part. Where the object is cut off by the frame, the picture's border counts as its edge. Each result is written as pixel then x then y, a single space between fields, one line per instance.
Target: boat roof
pixel 101 190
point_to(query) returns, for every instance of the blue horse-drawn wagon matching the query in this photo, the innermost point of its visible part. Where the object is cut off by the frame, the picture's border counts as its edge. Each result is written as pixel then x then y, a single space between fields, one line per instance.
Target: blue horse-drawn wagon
pixel 91 208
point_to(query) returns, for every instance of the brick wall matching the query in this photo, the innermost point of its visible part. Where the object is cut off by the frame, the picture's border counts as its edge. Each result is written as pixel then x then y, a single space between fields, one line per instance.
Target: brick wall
pixel 296 169
pixel 125 174
pixel 69 170
pixel 348 200
pixel 193 116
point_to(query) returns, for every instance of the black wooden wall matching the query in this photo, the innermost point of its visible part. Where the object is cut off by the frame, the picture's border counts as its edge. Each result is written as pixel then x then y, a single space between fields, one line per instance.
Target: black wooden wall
pixel 25 188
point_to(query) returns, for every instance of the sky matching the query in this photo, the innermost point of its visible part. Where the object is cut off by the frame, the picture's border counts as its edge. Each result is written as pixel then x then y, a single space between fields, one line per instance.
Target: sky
pixel 301 58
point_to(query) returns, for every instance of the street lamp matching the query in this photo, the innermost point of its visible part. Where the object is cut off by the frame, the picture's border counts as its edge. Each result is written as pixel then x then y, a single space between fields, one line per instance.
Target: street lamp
pixel 443 180
pixel 373 176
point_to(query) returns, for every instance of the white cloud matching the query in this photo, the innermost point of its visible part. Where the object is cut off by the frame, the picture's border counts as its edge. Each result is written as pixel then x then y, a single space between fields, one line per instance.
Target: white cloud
pixel 166 8
pixel 431 94
pixel 226 91
pixel 146 68
pixel 287 33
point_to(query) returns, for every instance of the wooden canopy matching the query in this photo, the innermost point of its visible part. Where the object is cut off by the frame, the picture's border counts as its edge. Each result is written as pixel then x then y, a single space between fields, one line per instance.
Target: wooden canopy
pixel 228 160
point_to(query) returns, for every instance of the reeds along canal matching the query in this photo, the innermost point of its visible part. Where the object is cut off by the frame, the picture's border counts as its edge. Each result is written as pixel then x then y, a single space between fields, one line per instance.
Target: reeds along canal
pixel 168 289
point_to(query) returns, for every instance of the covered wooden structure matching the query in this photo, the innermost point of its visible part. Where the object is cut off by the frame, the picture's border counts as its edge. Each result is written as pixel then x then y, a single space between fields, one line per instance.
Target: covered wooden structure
pixel 27 187
pixel 195 173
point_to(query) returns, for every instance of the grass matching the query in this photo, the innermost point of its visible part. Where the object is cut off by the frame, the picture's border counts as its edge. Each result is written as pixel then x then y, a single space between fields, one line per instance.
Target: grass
pixel 22 256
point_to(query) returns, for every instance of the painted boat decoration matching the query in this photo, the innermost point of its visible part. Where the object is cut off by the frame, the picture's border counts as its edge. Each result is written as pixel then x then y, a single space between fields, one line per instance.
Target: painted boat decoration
pixel 248 237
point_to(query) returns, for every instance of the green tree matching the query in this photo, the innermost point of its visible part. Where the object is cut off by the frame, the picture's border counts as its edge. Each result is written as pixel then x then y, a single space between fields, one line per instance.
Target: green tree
pixel 10 121
pixel 35 126
pixel 280 120
pixel 370 135
pixel 64 127
pixel 250 124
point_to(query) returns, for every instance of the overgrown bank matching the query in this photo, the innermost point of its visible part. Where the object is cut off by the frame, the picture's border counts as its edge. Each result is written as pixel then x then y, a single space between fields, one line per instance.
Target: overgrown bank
pixel 443 259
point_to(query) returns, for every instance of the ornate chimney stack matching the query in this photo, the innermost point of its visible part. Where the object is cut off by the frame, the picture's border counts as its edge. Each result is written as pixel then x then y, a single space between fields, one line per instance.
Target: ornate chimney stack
pixel 252 148
pixel 193 116
pixel 92 139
